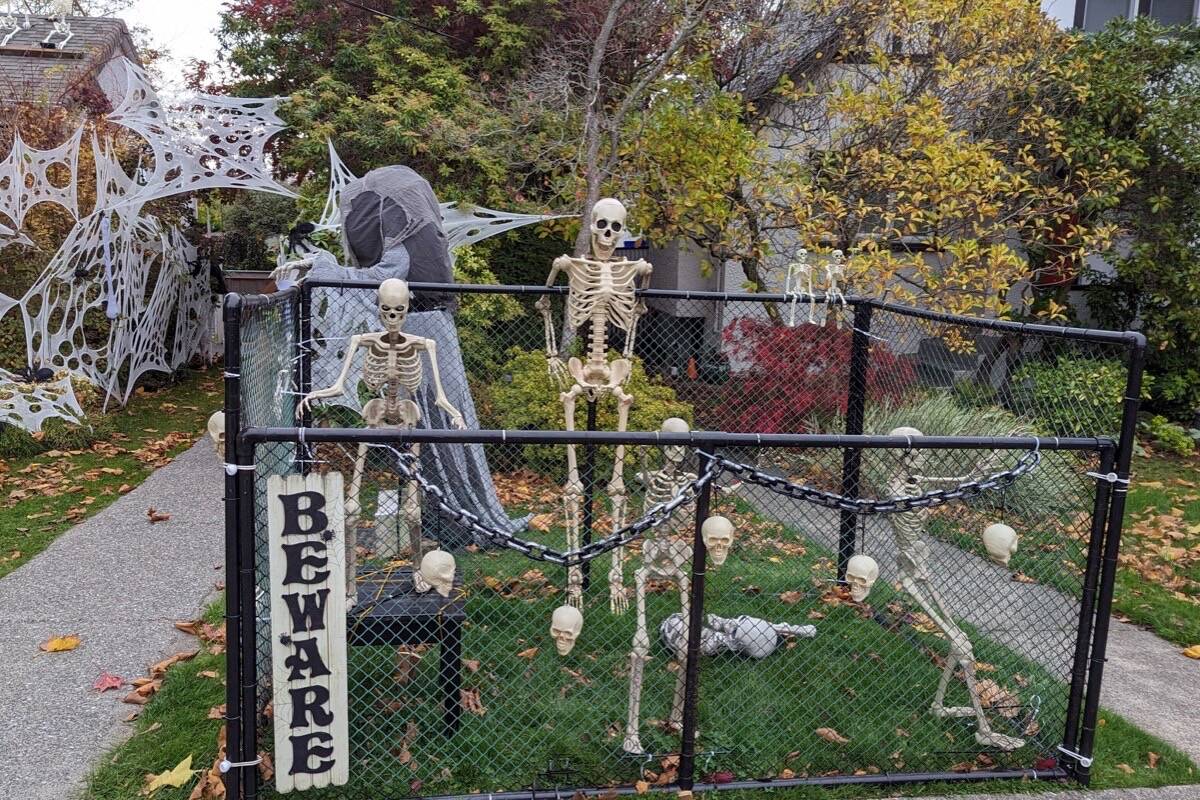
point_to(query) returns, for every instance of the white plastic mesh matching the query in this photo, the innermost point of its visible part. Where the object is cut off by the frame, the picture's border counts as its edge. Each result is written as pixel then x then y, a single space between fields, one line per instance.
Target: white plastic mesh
pixel 339 177
pixel 201 141
pixel 29 177
pixel 28 406
pixel 465 226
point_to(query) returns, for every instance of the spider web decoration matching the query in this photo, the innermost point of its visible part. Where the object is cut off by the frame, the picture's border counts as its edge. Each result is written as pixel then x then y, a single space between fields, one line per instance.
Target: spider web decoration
pixel 29 177
pixel 467 225
pixel 113 184
pixel 200 142
pixel 28 406
pixel 339 176
pixel 153 327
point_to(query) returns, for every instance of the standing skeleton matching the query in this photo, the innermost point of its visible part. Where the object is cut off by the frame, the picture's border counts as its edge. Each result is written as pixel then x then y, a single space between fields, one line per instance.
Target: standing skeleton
pixel 601 291
pixel 392 370
pixel 912 561
pixel 663 558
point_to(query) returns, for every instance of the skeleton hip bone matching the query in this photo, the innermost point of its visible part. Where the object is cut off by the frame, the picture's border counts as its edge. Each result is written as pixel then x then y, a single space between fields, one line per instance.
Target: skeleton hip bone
pixel 747 636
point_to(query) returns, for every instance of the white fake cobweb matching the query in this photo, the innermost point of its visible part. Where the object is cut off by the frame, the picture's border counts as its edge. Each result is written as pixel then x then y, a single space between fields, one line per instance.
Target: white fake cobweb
pixel 28 406
pixel 29 177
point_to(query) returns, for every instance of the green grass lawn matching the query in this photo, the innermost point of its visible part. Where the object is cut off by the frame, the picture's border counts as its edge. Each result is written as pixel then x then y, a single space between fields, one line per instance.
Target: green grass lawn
pixel 57 480
pixel 869 675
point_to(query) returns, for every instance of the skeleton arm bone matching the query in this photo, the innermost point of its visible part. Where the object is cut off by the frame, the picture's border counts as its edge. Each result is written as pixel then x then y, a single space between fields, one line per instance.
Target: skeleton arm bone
pixel 558 370
pixel 441 401
pixel 339 386
pixel 643 270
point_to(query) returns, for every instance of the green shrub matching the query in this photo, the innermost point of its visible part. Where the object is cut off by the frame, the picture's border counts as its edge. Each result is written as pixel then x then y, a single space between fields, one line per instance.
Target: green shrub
pixel 482 316
pixel 1072 396
pixel 527 399
pixel 1168 435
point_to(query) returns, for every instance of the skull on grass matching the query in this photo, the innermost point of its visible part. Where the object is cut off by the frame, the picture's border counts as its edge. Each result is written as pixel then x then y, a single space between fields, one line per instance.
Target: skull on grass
pixel 216 432
pixel 437 569
pixel 1000 542
pixel 566 623
pixel 608 227
pixel 861 574
pixel 718 538
pixel 675 453
pixel 394 298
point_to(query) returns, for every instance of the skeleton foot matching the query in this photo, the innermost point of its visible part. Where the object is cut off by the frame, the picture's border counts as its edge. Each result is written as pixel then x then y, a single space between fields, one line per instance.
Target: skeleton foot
pixel 618 598
pixel 999 741
pixel 953 712
pixel 633 745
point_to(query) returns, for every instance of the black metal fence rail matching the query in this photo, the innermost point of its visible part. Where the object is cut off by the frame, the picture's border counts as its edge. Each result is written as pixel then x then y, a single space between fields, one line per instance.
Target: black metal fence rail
pixel 1111 449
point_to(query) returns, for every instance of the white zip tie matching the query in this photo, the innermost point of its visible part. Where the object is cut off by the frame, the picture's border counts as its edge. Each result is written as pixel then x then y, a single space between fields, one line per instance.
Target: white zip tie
pixel 1111 477
pixel 233 469
pixel 232 375
pixel 1084 761
pixel 227 765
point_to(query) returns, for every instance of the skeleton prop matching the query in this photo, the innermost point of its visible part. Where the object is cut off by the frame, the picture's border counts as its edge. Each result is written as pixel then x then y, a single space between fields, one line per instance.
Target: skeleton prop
pixel 1000 541
pixel 393 371
pixel 437 572
pixel 861 574
pixel 662 558
pixel 566 623
pixel 913 562
pixel 601 292
pixel 746 636
pixel 62 26
pixel 216 432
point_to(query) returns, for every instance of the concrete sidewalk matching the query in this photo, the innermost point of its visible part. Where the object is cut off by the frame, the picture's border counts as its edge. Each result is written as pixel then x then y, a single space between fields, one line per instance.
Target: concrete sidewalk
pixel 119 583
pixel 1165 793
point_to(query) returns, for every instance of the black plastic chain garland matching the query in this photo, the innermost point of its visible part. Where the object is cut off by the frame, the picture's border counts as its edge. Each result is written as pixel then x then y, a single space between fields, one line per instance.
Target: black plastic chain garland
pixel 659 514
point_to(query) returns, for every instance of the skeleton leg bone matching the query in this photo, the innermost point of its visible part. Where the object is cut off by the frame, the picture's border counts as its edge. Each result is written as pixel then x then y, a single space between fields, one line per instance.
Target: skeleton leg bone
pixel 637 665
pixel 573 499
pixel 685 604
pixel 961 654
pixel 618 599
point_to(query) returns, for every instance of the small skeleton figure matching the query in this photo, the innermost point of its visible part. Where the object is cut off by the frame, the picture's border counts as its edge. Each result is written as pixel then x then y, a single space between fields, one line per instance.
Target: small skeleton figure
pixel 747 636
pixel 601 291
pixel 797 271
pixel 437 573
pixel 913 563
pixel 835 272
pixel 62 27
pixel 216 432
pixel 566 623
pixel 861 574
pixel 9 23
pixel 1000 541
pixel 393 370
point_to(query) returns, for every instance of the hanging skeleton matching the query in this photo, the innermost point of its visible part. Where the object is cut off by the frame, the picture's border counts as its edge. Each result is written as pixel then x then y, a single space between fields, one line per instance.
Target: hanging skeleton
pixel 392 371
pixel 601 292
pixel 664 557
pixel 912 560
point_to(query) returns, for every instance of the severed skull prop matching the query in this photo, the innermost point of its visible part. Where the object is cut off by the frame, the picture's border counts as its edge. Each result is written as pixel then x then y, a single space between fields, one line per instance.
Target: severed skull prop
pixel 1000 542
pixel 861 574
pixel 718 538
pixel 566 623
pixel 437 570
pixel 216 432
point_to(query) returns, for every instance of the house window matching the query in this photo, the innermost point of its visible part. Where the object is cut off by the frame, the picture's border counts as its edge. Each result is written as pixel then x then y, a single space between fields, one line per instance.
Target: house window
pixel 1093 15
pixel 1098 13
pixel 1171 12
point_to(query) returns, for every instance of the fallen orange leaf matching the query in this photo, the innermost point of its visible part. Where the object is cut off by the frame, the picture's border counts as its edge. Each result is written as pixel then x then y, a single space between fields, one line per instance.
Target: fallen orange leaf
pixel 830 735
pixel 107 681
pixel 1193 651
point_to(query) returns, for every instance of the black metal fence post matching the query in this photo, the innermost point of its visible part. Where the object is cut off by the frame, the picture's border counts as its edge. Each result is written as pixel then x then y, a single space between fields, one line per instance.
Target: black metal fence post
pixel 304 347
pixel 1087 604
pixel 691 688
pixel 1112 546
pixel 249 613
pixel 856 405
pixel 234 714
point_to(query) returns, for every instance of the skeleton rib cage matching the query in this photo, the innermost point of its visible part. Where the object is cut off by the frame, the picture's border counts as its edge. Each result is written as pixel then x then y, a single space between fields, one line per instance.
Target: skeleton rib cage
pixel 529 717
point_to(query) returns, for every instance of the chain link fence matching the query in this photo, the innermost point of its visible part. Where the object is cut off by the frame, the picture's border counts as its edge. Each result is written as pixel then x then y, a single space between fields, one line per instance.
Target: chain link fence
pixel 968 658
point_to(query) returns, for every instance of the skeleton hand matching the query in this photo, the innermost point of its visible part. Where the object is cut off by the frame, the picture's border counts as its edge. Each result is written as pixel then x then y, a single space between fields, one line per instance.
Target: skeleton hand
pixel 457 422
pixel 558 371
pixel 305 405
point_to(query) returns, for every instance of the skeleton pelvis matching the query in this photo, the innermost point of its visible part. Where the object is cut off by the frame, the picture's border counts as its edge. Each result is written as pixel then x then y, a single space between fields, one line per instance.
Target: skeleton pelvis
pixel 593 374
pixel 406 413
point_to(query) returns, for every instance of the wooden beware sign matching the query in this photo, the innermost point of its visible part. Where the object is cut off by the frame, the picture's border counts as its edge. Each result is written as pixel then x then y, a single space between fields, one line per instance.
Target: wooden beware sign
pixel 306 522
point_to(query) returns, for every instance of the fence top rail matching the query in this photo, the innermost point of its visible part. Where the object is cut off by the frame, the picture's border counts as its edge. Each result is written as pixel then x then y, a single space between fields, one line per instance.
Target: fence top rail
pixel 699 439
pixel 1127 338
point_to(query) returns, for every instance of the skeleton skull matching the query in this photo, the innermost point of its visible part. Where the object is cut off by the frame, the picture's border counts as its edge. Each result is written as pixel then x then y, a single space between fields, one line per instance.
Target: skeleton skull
pixel 673 452
pixel 565 626
pixel 437 569
pixel 861 574
pixel 216 432
pixel 393 304
pixel 718 538
pixel 1001 543
pixel 608 227
pixel 912 460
